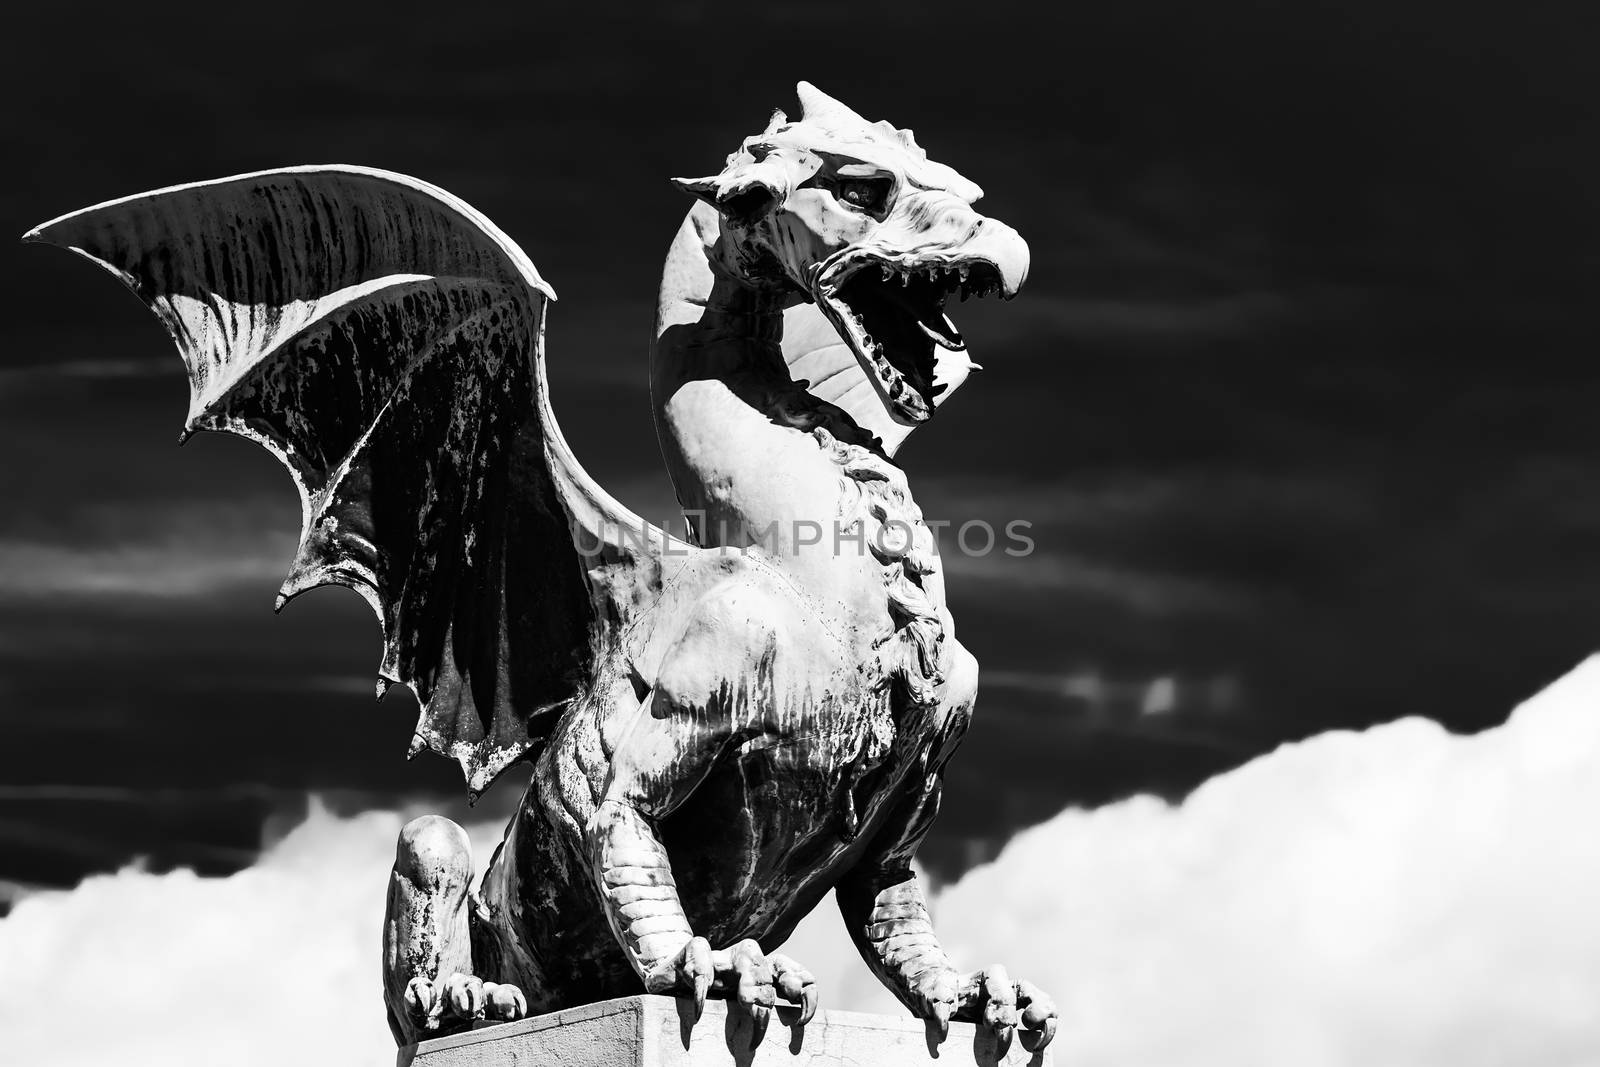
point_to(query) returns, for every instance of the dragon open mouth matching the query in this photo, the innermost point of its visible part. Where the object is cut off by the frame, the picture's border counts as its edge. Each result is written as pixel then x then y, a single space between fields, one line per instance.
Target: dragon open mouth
pixel 891 313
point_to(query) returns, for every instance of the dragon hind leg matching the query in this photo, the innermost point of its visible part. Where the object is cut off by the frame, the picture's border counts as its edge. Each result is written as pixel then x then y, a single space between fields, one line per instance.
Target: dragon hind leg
pixel 429 982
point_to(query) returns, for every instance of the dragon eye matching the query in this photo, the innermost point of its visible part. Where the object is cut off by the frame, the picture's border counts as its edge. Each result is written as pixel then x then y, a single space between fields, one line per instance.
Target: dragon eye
pixel 868 194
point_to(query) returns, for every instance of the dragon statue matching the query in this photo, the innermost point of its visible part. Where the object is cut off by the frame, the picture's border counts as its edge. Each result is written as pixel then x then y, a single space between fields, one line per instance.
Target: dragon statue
pixel 724 726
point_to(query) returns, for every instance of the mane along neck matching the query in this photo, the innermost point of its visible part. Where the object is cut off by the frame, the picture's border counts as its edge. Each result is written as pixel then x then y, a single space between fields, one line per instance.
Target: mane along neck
pixel 711 325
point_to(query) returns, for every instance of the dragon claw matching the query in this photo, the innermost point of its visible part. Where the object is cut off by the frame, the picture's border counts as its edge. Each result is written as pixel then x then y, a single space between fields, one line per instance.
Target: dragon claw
pixel 695 971
pixel 419 998
pixel 760 1015
pixel 989 997
pixel 748 977
pixel 504 1002
pixel 1004 1006
pixel 1000 1006
pixel 464 996
pixel 1038 1016
pixel 753 989
pixel 795 984
pixel 462 999
pixel 935 992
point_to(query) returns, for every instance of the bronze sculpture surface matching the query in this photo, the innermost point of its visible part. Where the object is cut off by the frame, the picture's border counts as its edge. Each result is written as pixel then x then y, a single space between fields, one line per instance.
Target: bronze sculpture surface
pixel 723 727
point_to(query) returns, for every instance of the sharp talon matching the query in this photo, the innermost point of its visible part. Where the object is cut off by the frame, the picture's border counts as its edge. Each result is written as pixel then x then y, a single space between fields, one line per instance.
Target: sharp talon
pixel 941 1018
pixel 999 1016
pixel 504 1002
pixel 696 968
pixel 1002 1040
pixel 702 986
pixel 1038 1016
pixel 1033 1041
pixel 1000 1011
pixel 760 1015
pixel 464 994
pixel 796 985
pixel 419 997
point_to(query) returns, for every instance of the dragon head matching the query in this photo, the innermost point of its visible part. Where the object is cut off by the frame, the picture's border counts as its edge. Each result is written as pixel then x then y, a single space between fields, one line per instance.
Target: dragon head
pixel 854 216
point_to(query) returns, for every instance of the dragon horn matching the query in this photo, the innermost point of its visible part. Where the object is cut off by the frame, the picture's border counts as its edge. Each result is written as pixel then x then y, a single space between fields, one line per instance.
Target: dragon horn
pixel 818 106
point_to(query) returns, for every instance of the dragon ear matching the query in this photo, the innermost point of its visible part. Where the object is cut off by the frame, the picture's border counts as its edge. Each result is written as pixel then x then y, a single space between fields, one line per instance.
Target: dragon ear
pixel 744 194
pixel 699 188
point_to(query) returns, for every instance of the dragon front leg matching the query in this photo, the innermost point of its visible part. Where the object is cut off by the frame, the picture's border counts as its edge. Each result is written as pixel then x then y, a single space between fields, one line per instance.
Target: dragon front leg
pixel 635 880
pixel 887 916
pixel 682 727
pixel 890 924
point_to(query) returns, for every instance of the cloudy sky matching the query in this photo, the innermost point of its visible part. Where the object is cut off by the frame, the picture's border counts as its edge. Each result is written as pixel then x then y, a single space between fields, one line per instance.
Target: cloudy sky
pixel 1300 398
pixel 1401 897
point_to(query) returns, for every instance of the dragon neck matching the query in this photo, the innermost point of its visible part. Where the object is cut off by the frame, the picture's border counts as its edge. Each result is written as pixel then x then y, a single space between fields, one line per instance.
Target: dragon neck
pixel 721 390
pixel 749 448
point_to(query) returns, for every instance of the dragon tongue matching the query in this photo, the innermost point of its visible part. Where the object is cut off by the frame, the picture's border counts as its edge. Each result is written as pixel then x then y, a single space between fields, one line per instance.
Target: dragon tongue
pixel 942 332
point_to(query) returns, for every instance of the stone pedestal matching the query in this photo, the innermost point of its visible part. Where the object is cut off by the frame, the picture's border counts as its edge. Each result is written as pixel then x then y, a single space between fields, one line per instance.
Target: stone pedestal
pixel 652 1031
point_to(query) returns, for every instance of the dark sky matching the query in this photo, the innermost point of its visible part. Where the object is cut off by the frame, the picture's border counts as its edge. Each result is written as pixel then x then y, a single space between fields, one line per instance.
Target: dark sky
pixel 1301 397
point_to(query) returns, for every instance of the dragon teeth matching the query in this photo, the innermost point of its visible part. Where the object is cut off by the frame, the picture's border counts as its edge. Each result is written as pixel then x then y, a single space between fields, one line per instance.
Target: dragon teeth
pixel 948 337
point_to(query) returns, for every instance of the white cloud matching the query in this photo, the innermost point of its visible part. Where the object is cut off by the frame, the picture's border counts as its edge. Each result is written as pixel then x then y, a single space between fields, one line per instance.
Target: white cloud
pixel 137 968
pixel 1399 896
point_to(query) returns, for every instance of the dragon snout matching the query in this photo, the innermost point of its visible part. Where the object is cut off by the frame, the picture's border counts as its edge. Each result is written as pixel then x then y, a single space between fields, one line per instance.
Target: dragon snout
pixel 953 234
pixel 997 244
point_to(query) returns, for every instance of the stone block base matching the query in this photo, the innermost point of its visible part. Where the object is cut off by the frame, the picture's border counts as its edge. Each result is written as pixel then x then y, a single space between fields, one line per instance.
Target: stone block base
pixel 652 1031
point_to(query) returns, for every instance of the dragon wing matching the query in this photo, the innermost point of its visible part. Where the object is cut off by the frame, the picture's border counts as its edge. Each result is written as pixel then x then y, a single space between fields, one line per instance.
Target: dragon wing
pixel 385 342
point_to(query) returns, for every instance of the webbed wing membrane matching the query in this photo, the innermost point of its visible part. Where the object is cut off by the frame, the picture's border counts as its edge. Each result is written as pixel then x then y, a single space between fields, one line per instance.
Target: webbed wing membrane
pixel 384 340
